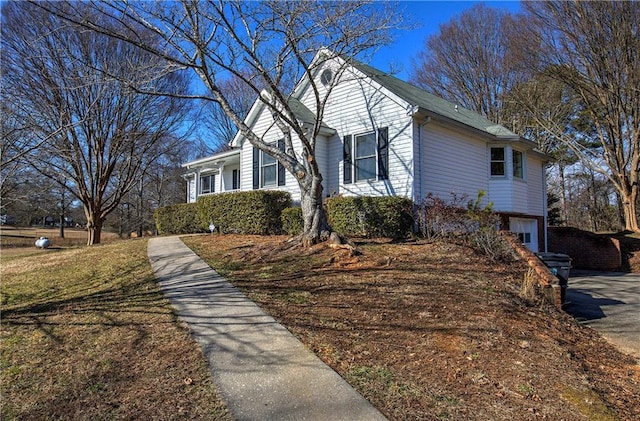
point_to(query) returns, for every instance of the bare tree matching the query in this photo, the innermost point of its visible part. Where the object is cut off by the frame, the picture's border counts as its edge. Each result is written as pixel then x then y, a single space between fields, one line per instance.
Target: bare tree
pixel 241 97
pixel 78 90
pixel 594 49
pixel 469 62
pixel 265 45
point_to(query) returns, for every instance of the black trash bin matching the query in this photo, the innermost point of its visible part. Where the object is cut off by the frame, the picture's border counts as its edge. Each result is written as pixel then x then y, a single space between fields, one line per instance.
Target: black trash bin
pixel 560 265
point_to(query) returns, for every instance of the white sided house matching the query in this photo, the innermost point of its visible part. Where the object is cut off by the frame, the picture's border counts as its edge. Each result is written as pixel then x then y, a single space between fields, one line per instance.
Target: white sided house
pixel 381 136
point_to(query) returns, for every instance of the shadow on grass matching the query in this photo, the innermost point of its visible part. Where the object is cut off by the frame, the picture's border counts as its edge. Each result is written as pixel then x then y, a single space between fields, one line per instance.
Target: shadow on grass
pixel 94 304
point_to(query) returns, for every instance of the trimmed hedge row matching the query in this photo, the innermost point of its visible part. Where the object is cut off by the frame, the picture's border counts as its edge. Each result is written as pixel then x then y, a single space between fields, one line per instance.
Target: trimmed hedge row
pixel 364 216
pixel 251 212
pixel 178 219
pixel 292 222
pixel 269 212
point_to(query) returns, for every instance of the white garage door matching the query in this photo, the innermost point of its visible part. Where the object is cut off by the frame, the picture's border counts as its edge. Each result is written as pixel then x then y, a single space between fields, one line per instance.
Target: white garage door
pixel 526 230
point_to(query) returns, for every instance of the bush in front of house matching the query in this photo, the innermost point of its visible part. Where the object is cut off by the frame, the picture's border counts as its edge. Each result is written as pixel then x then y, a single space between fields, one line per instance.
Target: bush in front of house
pixel 463 221
pixel 178 219
pixel 251 212
pixel 365 216
pixel 292 222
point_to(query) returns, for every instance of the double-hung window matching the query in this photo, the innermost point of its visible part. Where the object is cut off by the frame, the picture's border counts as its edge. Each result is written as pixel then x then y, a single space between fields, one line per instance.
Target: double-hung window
pixel 498 162
pixel 518 164
pixel 267 171
pixel 366 156
pixel 207 183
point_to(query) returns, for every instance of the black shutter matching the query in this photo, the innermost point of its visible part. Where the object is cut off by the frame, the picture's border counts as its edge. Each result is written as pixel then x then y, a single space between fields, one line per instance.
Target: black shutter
pixel 347 160
pixel 281 171
pixel 383 153
pixel 256 168
pixel 213 183
pixel 235 179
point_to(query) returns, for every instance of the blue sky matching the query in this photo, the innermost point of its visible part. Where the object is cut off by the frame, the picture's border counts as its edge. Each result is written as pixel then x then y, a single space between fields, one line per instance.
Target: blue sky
pixel 429 15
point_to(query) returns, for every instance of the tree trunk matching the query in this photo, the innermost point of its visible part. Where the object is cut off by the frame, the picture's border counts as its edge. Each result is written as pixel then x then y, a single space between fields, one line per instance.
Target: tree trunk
pixel 563 197
pixel 61 226
pixel 630 210
pixel 94 229
pixel 316 227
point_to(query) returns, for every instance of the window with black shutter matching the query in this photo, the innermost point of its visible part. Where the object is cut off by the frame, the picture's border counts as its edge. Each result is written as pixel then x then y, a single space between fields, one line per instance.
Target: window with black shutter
pixel 267 171
pixel 366 156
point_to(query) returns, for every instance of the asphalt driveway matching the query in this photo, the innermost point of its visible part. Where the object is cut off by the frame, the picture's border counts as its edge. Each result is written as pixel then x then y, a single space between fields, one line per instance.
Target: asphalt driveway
pixel 609 302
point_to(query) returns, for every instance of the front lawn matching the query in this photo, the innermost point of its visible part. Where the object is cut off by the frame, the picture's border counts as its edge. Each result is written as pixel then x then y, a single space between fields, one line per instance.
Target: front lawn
pixel 86 334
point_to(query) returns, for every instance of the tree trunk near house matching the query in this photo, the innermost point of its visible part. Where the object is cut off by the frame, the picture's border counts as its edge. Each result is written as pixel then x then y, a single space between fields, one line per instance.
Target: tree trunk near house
pixel 316 228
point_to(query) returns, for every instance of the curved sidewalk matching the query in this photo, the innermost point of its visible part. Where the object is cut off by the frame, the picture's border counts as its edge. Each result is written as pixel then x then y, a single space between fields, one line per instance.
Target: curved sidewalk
pixel 261 370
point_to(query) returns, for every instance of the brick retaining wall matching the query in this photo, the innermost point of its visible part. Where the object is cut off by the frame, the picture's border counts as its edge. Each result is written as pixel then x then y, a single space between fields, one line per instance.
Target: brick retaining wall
pixel 548 283
pixel 586 249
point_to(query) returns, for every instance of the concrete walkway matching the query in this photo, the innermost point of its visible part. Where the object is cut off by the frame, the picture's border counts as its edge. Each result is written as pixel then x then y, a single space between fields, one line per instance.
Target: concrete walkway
pixel 262 371
pixel 609 302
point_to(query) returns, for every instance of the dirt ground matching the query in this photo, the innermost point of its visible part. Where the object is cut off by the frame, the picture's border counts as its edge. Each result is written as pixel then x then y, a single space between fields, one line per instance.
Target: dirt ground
pixel 432 331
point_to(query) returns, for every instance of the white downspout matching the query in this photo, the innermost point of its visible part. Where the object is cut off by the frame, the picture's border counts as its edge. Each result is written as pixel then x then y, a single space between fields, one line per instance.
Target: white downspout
pixel 419 157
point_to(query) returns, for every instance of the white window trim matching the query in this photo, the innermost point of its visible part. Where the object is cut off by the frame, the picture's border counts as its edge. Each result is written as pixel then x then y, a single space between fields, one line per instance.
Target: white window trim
pixel 211 178
pixel 523 165
pixel 504 162
pixel 356 158
pixel 263 166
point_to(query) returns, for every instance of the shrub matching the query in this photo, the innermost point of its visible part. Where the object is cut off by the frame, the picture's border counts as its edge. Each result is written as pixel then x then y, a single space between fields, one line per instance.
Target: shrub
pixel 250 212
pixel 364 216
pixel 178 219
pixel 473 225
pixel 292 222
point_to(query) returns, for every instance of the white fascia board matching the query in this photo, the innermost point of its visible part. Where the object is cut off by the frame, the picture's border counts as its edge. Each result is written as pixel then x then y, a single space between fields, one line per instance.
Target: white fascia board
pixel 211 159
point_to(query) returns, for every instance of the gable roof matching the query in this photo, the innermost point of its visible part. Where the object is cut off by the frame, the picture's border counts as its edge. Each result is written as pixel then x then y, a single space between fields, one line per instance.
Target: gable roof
pixel 300 111
pixel 433 105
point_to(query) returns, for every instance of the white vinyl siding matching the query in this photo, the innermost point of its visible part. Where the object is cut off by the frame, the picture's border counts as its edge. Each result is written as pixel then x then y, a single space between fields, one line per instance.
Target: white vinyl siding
pixel 357 106
pixel 452 163
pixel 265 129
pixel 535 174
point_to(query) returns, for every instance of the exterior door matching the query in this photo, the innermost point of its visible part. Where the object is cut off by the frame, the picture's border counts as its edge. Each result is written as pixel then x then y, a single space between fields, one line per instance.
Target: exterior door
pixel 526 230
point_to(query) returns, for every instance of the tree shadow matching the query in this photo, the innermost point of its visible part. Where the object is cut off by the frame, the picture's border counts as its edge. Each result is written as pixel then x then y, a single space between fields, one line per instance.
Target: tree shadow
pixel 585 307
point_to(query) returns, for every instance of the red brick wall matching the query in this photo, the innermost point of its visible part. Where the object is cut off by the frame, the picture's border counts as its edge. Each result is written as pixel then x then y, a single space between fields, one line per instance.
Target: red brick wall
pixel 548 283
pixel 586 249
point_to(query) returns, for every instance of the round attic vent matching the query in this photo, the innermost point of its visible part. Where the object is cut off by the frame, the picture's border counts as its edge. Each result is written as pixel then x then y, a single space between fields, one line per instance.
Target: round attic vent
pixel 326 77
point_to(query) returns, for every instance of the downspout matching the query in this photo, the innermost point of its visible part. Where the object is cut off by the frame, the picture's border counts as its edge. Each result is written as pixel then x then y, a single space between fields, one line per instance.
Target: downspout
pixel 421 124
